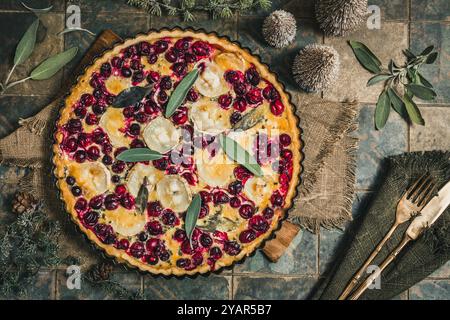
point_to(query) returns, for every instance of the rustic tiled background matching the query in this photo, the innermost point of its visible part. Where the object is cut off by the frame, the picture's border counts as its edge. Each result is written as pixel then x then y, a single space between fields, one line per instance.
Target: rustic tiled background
pixel 413 23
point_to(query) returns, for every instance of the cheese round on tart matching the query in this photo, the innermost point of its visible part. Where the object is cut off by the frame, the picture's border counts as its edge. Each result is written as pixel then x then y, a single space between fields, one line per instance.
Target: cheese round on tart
pixel 238 210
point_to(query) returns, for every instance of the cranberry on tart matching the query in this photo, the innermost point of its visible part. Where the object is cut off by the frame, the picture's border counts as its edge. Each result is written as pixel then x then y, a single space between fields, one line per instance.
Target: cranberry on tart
pixel 232 97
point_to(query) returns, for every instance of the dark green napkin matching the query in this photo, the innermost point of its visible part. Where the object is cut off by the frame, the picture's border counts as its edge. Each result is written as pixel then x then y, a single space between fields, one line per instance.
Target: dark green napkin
pixel 419 259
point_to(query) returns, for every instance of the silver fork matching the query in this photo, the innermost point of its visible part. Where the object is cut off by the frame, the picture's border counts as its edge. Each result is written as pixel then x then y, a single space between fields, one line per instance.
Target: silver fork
pixel 410 204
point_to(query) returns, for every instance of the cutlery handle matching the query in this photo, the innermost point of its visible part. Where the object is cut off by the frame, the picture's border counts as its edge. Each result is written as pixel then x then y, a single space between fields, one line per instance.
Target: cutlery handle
pixel 366 284
pixel 354 281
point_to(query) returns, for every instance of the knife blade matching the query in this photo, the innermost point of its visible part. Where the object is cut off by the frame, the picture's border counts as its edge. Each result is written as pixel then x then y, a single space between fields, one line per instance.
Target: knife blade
pixel 430 213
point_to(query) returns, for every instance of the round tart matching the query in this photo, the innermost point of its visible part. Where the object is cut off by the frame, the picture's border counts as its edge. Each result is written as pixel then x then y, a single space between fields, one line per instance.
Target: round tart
pixel 239 209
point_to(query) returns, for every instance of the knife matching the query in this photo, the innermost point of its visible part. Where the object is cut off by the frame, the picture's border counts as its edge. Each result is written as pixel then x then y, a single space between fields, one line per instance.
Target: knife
pixel 429 214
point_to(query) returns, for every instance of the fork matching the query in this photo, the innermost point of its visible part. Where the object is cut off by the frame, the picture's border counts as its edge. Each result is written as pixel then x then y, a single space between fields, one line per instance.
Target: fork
pixel 411 203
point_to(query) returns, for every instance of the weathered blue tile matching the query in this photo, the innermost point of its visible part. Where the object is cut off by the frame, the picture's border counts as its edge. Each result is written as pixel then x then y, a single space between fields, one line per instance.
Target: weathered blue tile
pixel 279 60
pixel 58 5
pixel 437 34
pixel 329 242
pixel 265 288
pixel 375 145
pixel 433 135
pixel 430 290
pixel 202 287
pixel 392 9
pixel 442 272
pixel 300 258
pixel 430 10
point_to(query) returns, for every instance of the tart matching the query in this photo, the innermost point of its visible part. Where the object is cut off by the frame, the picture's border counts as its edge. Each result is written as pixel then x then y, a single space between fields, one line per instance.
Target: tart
pixel 239 209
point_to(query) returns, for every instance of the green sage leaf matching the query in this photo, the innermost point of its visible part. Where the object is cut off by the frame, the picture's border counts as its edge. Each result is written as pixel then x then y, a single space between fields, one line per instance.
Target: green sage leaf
pixel 397 103
pixel 382 110
pixel 431 58
pixel 421 91
pixel 408 53
pixel 413 110
pixel 52 65
pixel 378 78
pixel 139 154
pixel 130 96
pixel 427 51
pixel 366 57
pixel 26 44
pixel 250 119
pixel 236 153
pixel 192 214
pixel 179 94
pixel 142 196
pixel 424 81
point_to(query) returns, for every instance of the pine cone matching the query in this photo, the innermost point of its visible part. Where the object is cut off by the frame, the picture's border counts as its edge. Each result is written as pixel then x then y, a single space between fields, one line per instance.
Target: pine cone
pixel 101 271
pixel 24 202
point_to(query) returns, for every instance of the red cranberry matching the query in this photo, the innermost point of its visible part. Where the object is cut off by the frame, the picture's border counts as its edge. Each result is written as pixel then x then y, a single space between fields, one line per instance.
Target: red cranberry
pixel 152 58
pixel 215 253
pixel 204 210
pixel 168 217
pixel 99 137
pixel 70 144
pixel 235 187
pixel 105 70
pixel 81 205
pixel 235 117
pixel 254 96
pixel 127 201
pixel 123 244
pixel 87 100
pixel 270 93
pixel 205 240
pixel 74 126
pixel 200 48
pixel 182 44
pixel 83 140
pixel 138 76
pixel 180 235
pixel 233 76
pixel 186 246
pixel 142 236
pixel 118 167
pixel 162 97
pixel 197 259
pixel 232 248
pixel 246 211
pixel 161 164
pixel 242 173
pixel 240 88
pixel 240 104
pixel 93 153
pixel 105 233
pixel 166 83
pixel 247 236
pixel 128 112
pixel 220 235
pixel 70 180
pixel 154 209
pixel 259 224
pixel 277 107
pixel 137 249
pixel 225 101
pixel 192 95
pixel 125 72
pixel 90 218
pixel 180 116
pixel 286 154
pixel 153 245
pixel 115 179
pixel 268 213
pixel 76 191
pixel 96 81
pixel 154 228
pixel 189 178
pixel 96 202
pixel 80 156
pixel 136 65
pixel 107 160
pixel 80 112
pixel 117 62
pixel 161 46
pixel 153 77
pixel 91 119
pixel 285 140
pixel 98 109
pixel 107 148
pixel 277 199
pixel 183 263
pixel 171 56
pixel 134 129
pixel 131 51
pixel 220 197
pixel 252 76
pixel 144 48
pixel 136 143
pixel 179 69
pixel 151 259
pixel 206 197
pixel 111 202
pixel 151 107
pixel 141 117
pixel 235 202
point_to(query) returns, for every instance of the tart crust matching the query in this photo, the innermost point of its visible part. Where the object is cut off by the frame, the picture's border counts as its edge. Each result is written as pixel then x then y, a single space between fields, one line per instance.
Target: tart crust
pixel 82 86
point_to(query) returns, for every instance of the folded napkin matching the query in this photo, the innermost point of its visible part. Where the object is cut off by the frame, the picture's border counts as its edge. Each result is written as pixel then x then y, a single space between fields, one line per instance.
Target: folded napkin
pixel 419 259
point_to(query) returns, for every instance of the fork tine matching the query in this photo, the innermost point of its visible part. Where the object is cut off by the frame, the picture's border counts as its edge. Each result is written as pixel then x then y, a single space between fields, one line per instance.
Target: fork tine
pixel 430 192
pixel 415 185
pixel 416 196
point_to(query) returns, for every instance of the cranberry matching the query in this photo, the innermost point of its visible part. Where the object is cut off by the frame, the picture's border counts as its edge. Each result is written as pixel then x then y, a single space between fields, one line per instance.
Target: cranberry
pixel 235 117
pixel 180 235
pixel 111 202
pixel 126 72
pixel 115 179
pixel 240 104
pixel 235 187
pixel 277 199
pixel 154 228
pixel 74 126
pixel 186 246
pixel 118 167
pixel 180 116
pixel 134 129
pixel 200 48
pixel 154 209
pixel 81 205
pixel 247 236
pixel 128 112
pixel 70 144
pixel 233 76
pixel 235 202
pixel 117 62
pixel 91 119
pixel 182 44
pixel 225 101
pixel 164 255
pixel 105 70
pixel 137 249
pixel 254 96
pixel 90 218
pixel 76 191
pixel 232 248
pixel 197 259
pixel 240 88
pixel 131 51
pixel 189 178
pixel 183 263
pixel 98 136
pixel 162 97
pixel 153 245
pixel 136 143
pixel 205 240
pixel 93 153
pixel 142 236
pixel 151 259
pixel 171 56
pixel 70 180
pixel 80 112
pixel 222 236
pixel 285 140
pixel 277 107
pixel 98 109
pixel 107 148
pixel 215 253
pixel 192 95
pixel 136 65
pixel 270 93
pixel 190 58
pixel 204 210
pixel 96 81
pixel 166 83
pixel 268 213
pixel 220 197
pixel 105 233
pixel 246 211
pixel 172 170
pixel 179 69
pixel 123 244
pixel 152 58
pixel 252 76
pixel 161 46
pixel 242 173
pixel 83 140
pixel 138 76
pixel 80 156
pixel 161 164
pixel 259 224
pixel 144 48
pixel 96 202
pixel 168 217
pixel 87 100
pixel 206 197
pixel 127 201
pixel 107 160
pixel 153 77
pixel 286 154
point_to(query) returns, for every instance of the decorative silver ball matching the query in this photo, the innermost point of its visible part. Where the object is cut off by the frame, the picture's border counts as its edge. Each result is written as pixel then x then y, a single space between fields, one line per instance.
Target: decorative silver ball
pixel 279 28
pixel 316 67
pixel 340 17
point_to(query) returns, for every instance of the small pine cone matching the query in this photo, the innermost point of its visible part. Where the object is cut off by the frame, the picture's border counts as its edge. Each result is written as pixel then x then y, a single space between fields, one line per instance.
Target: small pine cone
pixel 279 28
pixel 24 202
pixel 340 17
pixel 101 271
pixel 316 67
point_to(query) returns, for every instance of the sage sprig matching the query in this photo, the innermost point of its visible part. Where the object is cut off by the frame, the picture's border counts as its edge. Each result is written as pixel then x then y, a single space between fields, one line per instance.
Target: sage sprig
pixel 142 196
pixel 401 83
pixel 130 96
pixel 191 218
pixel 179 94
pixel 139 154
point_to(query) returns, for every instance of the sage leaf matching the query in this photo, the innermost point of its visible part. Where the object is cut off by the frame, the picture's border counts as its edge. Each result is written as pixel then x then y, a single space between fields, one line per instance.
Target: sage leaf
pixel 409 54
pixel 427 51
pixel 53 64
pixel 130 96
pixel 366 57
pixel 236 153
pixel 26 44
pixel 397 103
pixel 192 214
pixel 378 78
pixel 179 94
pixel 431 58
pixel 142 196
pixel 421 91
pixel 250 119
pixel 424 81
pixel 382 110
pixel 139 154
pixel 413 110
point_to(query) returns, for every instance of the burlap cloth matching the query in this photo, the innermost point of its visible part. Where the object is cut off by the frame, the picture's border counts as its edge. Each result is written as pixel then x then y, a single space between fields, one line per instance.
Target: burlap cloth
pixel 327 182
